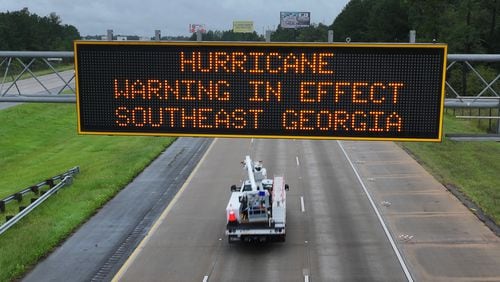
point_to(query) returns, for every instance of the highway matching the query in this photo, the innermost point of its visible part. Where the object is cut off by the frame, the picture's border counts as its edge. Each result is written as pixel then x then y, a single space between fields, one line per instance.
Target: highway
pixel 357 211
pixel 362 211
pixel 333 236
pixel 31 87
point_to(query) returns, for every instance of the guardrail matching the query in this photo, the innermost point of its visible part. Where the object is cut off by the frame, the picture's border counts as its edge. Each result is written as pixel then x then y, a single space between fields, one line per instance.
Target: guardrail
pixel 9 58
pixel 479 100
pixel 24 61
pixel 64 179
pixel 458 95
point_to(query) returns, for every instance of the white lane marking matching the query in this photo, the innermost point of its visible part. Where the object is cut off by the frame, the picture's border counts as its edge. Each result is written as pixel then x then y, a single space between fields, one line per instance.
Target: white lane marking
pixel 306 278
pixel 205 279
pixel 297 159
pixel 162 217
pixel 251 141
pixel 302 207
pixel 393 245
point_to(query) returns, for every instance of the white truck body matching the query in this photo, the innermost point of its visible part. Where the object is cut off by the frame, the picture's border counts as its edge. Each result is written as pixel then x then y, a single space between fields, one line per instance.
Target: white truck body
pixel 257 209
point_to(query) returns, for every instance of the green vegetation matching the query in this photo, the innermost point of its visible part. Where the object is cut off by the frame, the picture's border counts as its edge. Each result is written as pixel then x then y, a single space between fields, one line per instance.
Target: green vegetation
pixel 468 26
pixel 228 35
pixel 472 167
pixel 313 33
pixel 38 141
pixel 24 31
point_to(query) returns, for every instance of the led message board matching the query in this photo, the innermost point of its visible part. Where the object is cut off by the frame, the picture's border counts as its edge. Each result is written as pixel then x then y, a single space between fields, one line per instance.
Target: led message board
pixel 274 90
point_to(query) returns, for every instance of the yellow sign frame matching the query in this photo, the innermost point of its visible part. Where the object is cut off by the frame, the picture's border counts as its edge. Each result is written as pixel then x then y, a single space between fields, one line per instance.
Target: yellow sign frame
pixel 77 43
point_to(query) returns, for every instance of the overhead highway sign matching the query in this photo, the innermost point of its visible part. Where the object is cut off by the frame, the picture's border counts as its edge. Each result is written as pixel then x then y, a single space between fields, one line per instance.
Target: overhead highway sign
pixel 268 90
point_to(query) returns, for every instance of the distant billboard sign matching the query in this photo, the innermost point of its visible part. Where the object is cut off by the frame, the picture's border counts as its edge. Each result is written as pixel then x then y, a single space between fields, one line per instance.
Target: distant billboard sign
pixel 193 28
pixel 295 19
pixel 243 26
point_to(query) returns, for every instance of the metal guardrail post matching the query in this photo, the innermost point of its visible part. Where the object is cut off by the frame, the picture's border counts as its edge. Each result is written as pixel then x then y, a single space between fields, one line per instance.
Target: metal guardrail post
pixel 413 36
pixel 36 188
pixel 268 35
pixel 498 121
pixel 35 204
pixel 109 34
pixel 330 36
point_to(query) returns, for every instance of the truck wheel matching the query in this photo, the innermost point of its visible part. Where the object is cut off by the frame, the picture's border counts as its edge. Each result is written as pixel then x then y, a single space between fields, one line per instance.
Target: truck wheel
pixel 282 238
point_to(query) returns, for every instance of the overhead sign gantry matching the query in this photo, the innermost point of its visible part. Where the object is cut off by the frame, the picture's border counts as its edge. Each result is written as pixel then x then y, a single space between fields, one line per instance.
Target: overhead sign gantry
pixel 267 90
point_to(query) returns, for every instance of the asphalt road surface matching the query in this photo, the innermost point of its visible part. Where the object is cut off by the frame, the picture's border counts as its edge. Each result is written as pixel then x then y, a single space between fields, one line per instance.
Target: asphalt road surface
pixel 334 236
pixel 32 87
pixel 99 247
pixel 357 211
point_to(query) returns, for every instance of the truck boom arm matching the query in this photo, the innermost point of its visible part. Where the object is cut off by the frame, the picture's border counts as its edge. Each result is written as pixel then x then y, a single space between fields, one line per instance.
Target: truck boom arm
pixel 251 177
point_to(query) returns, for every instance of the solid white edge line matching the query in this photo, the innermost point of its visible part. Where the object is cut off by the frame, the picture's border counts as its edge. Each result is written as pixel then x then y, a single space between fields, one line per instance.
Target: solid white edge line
pixel 306 278
pixel 388 235
pixel 302 204
pixel 205 279
pixel 162 217
pixel 297 159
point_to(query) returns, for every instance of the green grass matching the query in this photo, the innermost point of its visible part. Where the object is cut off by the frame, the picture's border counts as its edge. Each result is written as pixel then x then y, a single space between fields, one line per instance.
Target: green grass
pixel 473 167
pixel 38 141
pixel 476 125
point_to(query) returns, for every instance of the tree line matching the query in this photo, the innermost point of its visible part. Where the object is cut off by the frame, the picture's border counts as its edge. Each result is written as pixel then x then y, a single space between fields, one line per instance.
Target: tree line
pixel 467 26
pixel 25 31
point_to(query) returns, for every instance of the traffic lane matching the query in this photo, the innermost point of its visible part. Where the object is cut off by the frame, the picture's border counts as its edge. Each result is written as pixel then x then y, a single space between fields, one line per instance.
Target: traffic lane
pixel 344 243
pixel 288 261
pixel 32 86
pixel 184 244
pixel 347 241
pixel 337 237
pixel 183 251
pixel 439 236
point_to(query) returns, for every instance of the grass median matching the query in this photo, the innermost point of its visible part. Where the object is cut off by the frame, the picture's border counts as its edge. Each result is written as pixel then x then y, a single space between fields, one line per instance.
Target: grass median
pixel 38 141
pixel 472 167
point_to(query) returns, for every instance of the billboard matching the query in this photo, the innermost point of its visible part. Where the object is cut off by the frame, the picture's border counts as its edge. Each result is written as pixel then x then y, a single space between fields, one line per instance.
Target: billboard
pixel 295 19
pixel 243 26
pixel 193 28
pixel 264 90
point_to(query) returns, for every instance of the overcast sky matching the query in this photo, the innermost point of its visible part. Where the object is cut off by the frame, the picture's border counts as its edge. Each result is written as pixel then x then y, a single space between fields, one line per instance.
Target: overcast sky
pixel 172 17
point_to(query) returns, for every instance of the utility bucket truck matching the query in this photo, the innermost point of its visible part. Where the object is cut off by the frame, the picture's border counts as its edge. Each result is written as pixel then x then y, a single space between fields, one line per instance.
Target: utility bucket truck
pixel 257 209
